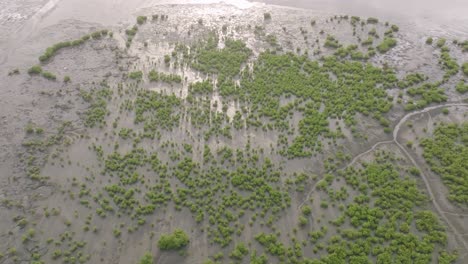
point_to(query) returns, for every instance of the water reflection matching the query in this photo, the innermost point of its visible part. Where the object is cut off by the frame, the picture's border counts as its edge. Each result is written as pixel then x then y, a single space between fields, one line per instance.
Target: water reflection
pixel 449 17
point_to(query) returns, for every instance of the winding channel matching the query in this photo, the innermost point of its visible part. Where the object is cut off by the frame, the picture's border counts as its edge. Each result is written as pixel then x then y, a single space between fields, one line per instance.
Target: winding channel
pixel 396 130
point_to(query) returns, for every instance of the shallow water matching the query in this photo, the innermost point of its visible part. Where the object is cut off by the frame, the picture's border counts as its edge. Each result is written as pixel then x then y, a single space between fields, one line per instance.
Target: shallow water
pixel 22 19
pixel 448 17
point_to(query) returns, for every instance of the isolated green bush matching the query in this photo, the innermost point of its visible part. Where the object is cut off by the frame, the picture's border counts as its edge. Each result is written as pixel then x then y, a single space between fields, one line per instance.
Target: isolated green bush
pixel 429 41
pixel 141 20
pixel 465 68
pixel 49 75
pixel 177 240
pixel 146 259
pixel 136 75
pixel 36 69
pixel 386 45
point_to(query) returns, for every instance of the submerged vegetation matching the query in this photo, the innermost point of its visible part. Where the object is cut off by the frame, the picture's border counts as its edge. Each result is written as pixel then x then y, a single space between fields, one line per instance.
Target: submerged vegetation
pixel 155 76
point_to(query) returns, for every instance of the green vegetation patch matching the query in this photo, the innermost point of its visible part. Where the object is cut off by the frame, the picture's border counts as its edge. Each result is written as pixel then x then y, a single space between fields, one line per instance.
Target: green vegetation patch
pixel 449 64
pixel 34 70
pixel 141 20
pixel 226 62
pixel 424 95
pixel 51 51
pixel 49 75
pixel 354 88
pixel 155 76
pixel 462 87
pixel 204 87
pixel 176 240
pixel 136 75
pixel 386 44
pixel 146 259
pixel 447 154
pixel 155 110
pixel 465 68
pixel 96 113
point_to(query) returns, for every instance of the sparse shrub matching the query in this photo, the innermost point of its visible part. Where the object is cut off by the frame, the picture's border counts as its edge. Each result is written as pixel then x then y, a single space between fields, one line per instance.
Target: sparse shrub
pixel 96 35
pixel 117 232
pixel 29 128
pixel 167 59
pixel 429 41
pixel 462 87
pixel 441 42
pixel 49 76
pixel 465 68
pixel 146 259
pixel 131 32
pixel 141 20
pixel 372 20
pixel 136 75
pixel 386 45
pixel 306 210
pixel 36 69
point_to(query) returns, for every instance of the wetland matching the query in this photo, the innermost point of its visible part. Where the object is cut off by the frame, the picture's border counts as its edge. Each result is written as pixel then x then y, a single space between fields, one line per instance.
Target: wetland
pixel 231 132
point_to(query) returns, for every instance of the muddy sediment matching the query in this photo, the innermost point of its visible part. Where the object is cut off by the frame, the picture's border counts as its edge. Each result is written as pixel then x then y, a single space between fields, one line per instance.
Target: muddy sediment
pixel 72 168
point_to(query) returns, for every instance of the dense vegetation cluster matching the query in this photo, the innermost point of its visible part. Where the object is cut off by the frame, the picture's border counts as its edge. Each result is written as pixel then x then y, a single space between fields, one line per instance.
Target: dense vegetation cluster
pixel 447 154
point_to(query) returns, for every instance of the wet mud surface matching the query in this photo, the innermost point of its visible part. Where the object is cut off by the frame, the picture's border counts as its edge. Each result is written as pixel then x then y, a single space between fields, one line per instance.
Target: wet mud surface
pixel 53 206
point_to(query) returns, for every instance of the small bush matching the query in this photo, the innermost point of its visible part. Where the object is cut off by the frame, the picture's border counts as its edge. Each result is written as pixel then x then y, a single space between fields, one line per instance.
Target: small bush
pixel 331 42
pixel 177 240
pixel 465 68
pixel 429 41
pixel 386 45
pixel 49 76
pixel 96 35
pixel 146 259
pixel 306 210
pixel 36 69
pixel 137 75
pixel 141 20
pixel 462 87
pixel 372 20
pixel 167 59
pixel 267 16
pixel 131 32
pixel 29 128
pixel 66 79
pixel 441 42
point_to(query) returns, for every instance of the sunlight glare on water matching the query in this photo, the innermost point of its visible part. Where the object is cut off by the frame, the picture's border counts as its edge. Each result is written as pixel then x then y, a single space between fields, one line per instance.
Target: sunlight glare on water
pixel 237 3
